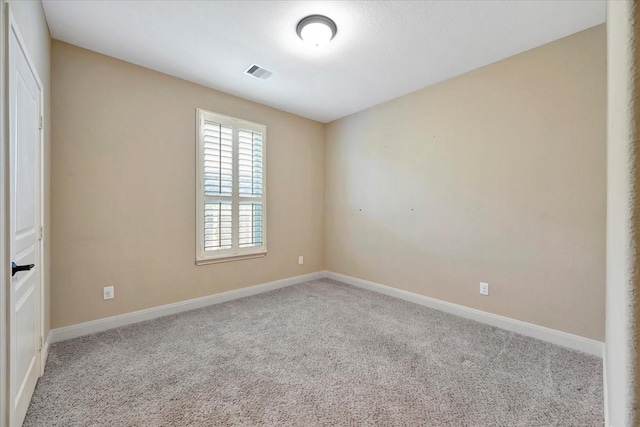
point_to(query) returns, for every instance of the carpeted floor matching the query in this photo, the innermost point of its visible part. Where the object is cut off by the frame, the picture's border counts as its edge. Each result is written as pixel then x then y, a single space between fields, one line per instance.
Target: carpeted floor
pixel 318 353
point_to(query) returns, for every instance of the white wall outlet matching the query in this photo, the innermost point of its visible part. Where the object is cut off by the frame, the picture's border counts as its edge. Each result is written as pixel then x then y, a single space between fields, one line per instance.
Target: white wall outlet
pixel 300 260
pixel 108 292
pixel 484 288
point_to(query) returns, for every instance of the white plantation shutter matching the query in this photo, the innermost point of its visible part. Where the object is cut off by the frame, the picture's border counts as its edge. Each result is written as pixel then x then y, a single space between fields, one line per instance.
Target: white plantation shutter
pixel 218 159
pixel 230 198
pixel 218 183
pixel 217 226
pixel 250 163
pixel 250 188
pixel 250 217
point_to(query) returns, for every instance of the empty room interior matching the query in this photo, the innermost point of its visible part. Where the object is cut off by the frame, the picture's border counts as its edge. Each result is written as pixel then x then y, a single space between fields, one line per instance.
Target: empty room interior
pixel 319 213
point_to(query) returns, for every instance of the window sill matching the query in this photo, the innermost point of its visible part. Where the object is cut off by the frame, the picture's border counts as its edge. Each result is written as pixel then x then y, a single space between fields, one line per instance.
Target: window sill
pixel 230 258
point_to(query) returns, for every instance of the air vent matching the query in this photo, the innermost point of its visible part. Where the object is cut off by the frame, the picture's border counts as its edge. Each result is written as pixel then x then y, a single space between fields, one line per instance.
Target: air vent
pixel 258 72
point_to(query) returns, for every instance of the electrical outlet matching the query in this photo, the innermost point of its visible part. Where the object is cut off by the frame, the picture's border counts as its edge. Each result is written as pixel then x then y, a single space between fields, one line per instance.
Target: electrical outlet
pixel 108 292
pixel 484 288
pixel 300 260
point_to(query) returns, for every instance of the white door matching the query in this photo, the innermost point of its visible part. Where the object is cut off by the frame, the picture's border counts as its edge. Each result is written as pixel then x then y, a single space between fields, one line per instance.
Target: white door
pixel 24 199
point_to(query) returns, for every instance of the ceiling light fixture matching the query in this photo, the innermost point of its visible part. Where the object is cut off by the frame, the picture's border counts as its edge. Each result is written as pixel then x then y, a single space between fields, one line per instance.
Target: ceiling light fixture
pixel 316 29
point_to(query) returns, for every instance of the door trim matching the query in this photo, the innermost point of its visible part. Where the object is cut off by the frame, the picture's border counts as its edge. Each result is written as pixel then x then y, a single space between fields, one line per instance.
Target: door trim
pixel 4 239
pixel 11 25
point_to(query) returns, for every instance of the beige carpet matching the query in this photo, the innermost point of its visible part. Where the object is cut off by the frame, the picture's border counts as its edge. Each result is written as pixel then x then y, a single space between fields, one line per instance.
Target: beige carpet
pixel 318 353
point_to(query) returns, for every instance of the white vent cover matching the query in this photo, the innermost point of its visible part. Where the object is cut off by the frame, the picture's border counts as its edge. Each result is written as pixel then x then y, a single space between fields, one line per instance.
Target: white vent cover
pixel 258 72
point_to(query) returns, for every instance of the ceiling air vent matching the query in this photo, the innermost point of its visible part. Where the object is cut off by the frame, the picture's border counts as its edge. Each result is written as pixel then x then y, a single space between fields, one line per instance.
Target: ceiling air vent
pixel 258 72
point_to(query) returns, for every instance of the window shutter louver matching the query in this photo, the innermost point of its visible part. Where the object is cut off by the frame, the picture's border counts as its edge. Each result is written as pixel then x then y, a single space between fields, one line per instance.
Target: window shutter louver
pixel 217 226
pixel 250 230
pixel 250 163
pixel 250 186
pixel 218 159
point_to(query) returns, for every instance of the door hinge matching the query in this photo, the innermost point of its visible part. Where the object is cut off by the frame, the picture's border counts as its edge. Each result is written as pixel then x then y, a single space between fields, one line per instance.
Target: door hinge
pixel 41 232
pixel 41 122
pixel 41 343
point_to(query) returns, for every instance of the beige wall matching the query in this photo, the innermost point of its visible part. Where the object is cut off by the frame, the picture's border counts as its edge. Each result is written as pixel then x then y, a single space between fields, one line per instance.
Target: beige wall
pixel 623 215
pixel 123 195
pixel 31 21
pixel 497 175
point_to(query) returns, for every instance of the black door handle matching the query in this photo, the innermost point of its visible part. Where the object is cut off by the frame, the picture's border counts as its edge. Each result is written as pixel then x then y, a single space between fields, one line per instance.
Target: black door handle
pixel 15 268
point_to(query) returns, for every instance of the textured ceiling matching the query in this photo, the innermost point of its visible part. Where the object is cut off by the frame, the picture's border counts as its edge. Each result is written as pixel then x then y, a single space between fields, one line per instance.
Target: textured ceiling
pixel 382 49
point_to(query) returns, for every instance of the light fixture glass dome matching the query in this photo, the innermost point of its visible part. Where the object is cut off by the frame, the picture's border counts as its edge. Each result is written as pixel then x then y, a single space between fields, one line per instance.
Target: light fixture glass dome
pixel 316 29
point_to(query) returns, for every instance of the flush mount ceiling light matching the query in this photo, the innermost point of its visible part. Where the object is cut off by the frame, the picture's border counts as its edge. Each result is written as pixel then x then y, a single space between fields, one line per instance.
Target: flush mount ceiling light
pixel 316 29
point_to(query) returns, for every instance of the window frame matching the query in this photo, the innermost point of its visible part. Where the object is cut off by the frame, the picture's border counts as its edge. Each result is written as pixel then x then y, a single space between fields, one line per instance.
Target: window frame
pixel 235 253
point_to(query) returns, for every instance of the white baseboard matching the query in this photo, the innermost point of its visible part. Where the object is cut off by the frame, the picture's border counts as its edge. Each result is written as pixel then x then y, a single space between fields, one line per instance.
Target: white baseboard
pixel 574 342
pixel 87 328
pixel 44 354
pixel 553 336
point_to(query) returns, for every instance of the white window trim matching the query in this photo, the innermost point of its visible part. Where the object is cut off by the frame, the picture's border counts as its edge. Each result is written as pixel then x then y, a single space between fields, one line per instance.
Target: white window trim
pixel 235 253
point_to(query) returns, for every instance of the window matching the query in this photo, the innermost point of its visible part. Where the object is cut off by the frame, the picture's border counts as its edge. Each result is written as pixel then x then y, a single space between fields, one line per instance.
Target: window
pixel 230 201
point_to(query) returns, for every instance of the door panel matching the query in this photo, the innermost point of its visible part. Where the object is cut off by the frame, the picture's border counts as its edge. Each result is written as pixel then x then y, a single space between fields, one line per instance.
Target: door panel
pixel 25 200
pixel 24 293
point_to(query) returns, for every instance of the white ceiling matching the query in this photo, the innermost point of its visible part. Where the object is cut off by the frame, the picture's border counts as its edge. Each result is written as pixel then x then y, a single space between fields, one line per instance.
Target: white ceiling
pixel 383 49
